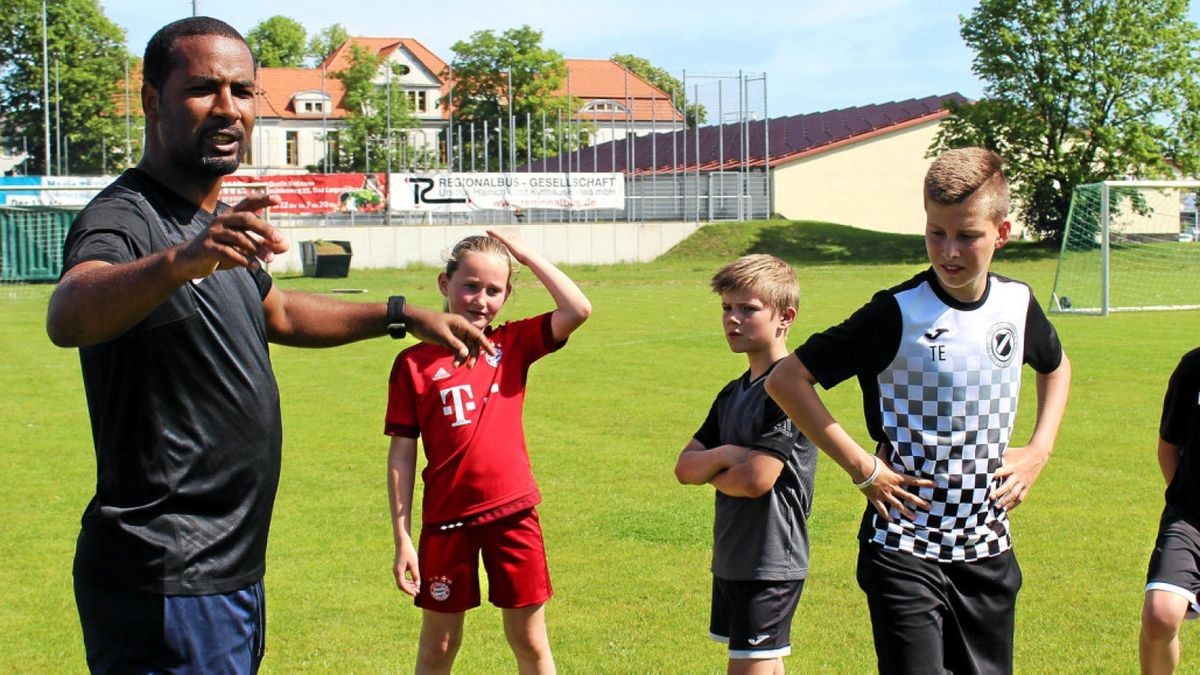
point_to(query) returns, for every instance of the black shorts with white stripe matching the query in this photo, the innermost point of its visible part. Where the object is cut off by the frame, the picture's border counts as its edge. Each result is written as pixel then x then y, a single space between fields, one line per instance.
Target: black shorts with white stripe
pixel 754 618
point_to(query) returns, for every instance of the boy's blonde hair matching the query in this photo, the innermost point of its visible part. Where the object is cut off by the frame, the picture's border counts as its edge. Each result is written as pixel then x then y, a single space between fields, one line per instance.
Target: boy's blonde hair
pixel 762 274
pixel 479 243
pixel 957 175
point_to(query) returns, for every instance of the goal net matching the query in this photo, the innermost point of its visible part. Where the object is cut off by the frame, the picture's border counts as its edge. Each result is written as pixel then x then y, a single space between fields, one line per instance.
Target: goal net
pixel 31 243
pixel 1129 246
pixel 35 214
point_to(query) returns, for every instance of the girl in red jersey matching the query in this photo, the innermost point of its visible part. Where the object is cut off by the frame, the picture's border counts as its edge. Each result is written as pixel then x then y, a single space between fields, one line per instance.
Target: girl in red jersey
pixel 480 493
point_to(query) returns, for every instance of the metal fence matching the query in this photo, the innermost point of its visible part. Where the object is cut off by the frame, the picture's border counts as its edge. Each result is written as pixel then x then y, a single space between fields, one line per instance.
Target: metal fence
pixel 722 195
pixel 31 243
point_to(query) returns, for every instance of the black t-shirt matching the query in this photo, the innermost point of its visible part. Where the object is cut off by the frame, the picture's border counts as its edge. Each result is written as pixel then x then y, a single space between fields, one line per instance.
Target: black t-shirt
pixel 1181 426
pixel 184 410
pixel 763 538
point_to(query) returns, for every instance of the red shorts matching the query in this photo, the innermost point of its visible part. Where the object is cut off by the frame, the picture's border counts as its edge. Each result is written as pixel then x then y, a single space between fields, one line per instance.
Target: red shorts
pixel 514 556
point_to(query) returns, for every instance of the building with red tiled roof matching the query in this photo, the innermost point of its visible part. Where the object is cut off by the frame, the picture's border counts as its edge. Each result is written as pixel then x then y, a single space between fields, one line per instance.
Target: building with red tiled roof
pixel 301 109
pixel 617 102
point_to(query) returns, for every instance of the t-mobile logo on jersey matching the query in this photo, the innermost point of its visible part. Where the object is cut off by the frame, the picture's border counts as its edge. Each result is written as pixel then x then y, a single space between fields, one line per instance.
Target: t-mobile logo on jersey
pixel 457 401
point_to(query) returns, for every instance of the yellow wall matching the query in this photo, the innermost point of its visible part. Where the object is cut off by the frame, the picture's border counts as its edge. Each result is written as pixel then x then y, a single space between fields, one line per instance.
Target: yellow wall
pixel 873 184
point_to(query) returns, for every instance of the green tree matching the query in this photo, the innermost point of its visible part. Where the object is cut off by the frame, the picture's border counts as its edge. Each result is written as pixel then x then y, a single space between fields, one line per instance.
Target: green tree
pixel 90 52
pixel 694 113
pixel 1080 91
pixel 278 42
pixel 485 69
pixel 326 41
pixel 365 139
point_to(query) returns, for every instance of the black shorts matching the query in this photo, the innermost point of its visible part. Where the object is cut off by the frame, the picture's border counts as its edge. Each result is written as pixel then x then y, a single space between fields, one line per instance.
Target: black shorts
pixel 930 616
pixel 754 618
pixel 1175 563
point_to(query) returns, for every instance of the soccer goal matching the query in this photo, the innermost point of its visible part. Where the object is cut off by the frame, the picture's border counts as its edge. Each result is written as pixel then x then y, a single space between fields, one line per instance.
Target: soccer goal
pixel 1130 246
pixel 35 214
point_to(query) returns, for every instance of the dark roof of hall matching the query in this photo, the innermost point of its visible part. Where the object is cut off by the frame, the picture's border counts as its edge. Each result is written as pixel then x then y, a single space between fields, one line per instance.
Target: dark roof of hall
pixel 720 145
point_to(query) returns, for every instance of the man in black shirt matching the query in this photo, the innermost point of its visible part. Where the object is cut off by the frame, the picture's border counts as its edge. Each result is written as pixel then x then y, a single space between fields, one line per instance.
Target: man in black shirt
pixel 164 296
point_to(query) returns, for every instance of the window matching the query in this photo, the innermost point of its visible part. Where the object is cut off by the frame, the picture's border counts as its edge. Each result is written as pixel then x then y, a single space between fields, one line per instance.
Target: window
pixel 314 107
pixel 293 148
pixel 604 105
pixel 418 101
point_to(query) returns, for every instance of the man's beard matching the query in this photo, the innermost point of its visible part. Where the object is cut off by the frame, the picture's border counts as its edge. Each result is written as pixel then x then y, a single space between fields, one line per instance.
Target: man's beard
pixel 193 159
pixel 215 167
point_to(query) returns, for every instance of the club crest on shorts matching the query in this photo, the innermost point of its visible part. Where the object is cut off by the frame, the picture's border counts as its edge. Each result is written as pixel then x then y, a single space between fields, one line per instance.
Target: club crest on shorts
pixel 439 589
pixel 1002 343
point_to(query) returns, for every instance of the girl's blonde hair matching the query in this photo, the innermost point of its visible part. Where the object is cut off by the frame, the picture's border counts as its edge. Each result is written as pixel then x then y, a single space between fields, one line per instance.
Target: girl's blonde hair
pixel 480 243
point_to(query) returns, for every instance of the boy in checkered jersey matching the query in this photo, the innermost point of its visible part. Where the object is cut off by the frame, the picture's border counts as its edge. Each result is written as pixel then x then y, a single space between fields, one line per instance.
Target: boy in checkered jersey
pixel 1173 578
pixel 762 469
pixel 939 360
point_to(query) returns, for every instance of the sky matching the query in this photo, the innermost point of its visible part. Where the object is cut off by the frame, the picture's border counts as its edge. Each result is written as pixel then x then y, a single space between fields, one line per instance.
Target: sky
pixel 816 55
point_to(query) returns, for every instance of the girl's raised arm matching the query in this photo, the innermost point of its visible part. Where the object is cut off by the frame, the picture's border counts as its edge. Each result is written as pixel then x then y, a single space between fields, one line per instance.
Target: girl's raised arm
pixel 572 307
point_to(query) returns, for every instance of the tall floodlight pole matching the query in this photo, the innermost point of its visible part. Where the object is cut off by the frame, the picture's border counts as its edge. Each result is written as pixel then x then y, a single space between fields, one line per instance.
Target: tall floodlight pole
pixel 512 127
pixel 450 139
pixel 57 122
pixel 450 125
pixel 194 8
pixel 685 145
pixel 388 133
pixel 324 118
pixel 128 135
pixel 767 150
pixel 45 91
pixel 387 138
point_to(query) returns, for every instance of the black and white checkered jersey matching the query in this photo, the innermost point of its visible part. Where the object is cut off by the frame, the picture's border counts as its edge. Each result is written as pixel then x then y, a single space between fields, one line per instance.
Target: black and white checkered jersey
pixel 940 381
pixel 763 538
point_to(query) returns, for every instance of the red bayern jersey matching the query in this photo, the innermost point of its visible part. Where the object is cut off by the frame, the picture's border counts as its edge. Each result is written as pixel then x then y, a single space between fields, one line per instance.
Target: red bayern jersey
pixel 469 420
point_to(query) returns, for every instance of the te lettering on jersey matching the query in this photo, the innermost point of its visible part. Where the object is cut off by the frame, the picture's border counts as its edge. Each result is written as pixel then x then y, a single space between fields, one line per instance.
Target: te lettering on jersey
pixel 458 401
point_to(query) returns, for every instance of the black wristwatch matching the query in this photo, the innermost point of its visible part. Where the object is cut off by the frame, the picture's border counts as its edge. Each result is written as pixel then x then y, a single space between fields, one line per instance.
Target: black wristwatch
pixel 395 317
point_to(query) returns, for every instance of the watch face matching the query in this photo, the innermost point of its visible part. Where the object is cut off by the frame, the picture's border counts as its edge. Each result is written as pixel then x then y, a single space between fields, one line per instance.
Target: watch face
pixel 395 316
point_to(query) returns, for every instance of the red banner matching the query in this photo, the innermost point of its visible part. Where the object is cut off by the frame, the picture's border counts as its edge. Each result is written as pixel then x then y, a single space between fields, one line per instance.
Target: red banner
pixel 313 193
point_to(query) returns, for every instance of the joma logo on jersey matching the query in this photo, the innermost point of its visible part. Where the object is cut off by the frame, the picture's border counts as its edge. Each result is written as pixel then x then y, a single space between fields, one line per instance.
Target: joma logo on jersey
pixel 457 401
pixel 1002 343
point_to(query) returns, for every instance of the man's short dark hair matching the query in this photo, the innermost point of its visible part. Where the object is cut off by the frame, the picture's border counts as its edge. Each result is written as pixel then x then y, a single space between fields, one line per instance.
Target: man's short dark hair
pixel 159 59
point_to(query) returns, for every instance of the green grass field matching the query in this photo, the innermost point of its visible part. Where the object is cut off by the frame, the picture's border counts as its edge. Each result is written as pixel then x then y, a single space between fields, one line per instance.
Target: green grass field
pixel 606 417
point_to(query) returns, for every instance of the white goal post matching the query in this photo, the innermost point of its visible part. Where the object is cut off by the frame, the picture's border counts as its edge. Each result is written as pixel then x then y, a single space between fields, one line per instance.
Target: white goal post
pixel 1130 246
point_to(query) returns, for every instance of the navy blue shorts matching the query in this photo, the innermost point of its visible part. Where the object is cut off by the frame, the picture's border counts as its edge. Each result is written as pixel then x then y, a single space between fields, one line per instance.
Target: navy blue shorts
pixel 129 632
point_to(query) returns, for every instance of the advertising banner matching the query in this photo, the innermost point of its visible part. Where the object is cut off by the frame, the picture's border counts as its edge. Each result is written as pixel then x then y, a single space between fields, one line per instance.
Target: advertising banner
pixel 50 190
pixel 313 193
pixel 464 192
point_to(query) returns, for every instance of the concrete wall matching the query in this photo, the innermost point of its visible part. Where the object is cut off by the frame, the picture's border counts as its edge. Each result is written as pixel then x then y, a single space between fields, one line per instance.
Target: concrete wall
pixel 561 243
